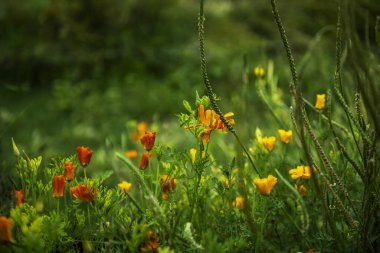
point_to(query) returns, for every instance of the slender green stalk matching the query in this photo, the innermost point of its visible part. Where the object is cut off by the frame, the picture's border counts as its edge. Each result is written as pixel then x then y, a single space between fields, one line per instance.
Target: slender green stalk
pixel 135 203
pixel 269 107
pixel 210 92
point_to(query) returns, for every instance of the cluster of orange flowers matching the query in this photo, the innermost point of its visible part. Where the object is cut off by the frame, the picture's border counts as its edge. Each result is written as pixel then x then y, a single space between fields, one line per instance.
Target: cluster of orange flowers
pixel 147 139
pixel 151 244
pixel 85 193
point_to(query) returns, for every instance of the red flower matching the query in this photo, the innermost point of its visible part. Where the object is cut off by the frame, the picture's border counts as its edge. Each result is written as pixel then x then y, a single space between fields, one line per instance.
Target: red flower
pixel 84 155
pixel 58 186
pixel 148 140
pixel 144 161
pixel 20 197
pixel 6 229
pixel 152 244
pixel 167 185
pixel 69 171
pixel 83 192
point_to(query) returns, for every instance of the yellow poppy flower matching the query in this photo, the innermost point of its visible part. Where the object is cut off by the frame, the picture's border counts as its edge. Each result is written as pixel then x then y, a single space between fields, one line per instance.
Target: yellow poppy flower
pixel 265 185
pixel 320 102
pixel 285 136
pixel 269 143
pixel 125 186
pixel 259 71
pixel 300 171
pixel 239 203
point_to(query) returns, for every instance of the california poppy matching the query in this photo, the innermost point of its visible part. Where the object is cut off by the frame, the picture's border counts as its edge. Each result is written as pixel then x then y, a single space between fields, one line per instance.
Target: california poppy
pixel 239 203
pixel 320 102
pixel 285 136
pixel 259 72
pixel 84 155
pixel 69 171
pixel 6 226
pixel 151 245
pixel 265 185
pixel 211 121
pixel 125 186
pixel 58 186
pixel 148 140
pixel 269 143
pixel 300 171
pixel 85 193
pixel 20 197
pixel 144 161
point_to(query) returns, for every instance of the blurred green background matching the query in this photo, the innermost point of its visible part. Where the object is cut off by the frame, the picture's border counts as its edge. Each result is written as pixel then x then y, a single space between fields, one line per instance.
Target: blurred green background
pixel 76 72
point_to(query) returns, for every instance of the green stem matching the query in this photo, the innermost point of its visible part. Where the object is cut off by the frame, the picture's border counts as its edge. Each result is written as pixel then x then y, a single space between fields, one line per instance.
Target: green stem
pixel 88 215
pixel 134 202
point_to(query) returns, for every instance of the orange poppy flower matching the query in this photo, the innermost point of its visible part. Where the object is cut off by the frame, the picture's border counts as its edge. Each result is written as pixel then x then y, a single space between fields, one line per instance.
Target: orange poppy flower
pixel 151 245
pixel 83 192
pixel 131 154
pixel 20 197
pixel 84 155
pixel 58 186
pixel 148 140
pixel 144 161
pixel 6 226
pixel 211 121
pixel 69 171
